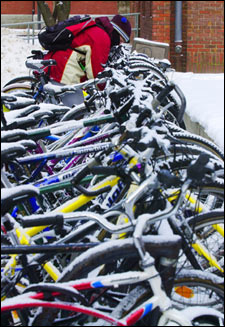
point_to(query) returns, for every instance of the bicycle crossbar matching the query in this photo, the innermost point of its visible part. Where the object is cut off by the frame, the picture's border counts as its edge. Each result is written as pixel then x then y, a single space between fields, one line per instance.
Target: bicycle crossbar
pixel 59 248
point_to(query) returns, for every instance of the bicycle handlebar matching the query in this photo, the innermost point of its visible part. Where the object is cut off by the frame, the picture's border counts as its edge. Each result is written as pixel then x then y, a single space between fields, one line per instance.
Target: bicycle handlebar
pixel 116 96
pixel 17 194
pixel 41 220
pixel 163 94
pixel 39 64
pixel 194 171
pixel 92 193
pixel 57 219
pixel 183 103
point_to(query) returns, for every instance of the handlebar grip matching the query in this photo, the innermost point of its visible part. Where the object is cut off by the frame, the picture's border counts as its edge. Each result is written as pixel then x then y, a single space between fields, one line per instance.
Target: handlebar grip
pixel 84 172
pixel 35 220
pixel 37 54
pixel 146 113
pixel 104 74
pixel 101 170
pixel 183 104
pixel 38 133
pixel 49 62
pixel 92 193
pixel 163 94
pixel 14 135
pixel 25 122
pixel 80 175
pixel 7 97
pixel 115 96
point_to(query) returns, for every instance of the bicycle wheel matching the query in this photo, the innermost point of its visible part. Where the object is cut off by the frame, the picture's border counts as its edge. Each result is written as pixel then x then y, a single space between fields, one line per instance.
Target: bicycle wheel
pixel 201 142
pixel 203 198
pixel 21 79
pixel 105 259
pixel 209 229
pixel 195 288
pixel 17 87
pixel 115 256
pixel 185 151
pixel 191 288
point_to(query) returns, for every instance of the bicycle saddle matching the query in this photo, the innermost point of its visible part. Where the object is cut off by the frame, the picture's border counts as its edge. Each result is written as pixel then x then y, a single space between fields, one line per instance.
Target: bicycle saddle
pixel 12 196
pixel 10 151
pixel 13 136
pixel 21 102
pixel 22 123
pixel 7 97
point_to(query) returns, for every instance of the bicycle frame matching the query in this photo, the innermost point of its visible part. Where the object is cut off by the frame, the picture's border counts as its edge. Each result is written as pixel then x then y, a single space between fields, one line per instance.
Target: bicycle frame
pixel 24 235
pixel 159 299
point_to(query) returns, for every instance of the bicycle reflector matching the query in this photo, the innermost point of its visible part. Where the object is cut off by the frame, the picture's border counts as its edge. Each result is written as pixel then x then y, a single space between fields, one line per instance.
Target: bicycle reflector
pixel 184 291
pixel 5 109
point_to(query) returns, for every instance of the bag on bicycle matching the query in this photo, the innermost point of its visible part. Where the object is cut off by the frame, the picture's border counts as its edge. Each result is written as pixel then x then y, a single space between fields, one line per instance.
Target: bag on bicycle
pixel 59 37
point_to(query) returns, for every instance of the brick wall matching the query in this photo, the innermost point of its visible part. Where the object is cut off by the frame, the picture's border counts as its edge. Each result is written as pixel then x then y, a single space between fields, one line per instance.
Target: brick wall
pixel 77 7
pixel 16 7
pixel 202 24
pixel 202 32
pixel 94 7
pixel 205 36
pixel 161 14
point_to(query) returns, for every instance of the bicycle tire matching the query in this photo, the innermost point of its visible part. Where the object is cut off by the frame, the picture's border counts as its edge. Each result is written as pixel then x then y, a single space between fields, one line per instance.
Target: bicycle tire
pixel 18 87
pixel 185 150
pixel 209 230
pixel 21 79
pixel 200 141
pixel 192 279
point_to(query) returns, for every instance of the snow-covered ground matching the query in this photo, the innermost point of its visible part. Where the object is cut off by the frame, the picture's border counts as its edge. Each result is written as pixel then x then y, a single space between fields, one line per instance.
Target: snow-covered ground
pixel 204 92
pixel 205 101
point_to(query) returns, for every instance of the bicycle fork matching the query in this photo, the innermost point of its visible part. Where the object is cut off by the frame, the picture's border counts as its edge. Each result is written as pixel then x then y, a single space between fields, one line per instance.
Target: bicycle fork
pixel 160 298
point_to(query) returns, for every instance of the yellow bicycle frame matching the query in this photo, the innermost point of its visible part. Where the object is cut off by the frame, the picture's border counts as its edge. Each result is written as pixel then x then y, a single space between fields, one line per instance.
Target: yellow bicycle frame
pixel 24 235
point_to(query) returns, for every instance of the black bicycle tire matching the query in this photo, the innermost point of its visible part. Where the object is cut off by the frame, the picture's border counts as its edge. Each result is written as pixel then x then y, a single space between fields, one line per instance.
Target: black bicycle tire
pixel 200 141
pixel 182 162
pixel 187 150
pixel 212 217
pixel 16 86
pixel 205 220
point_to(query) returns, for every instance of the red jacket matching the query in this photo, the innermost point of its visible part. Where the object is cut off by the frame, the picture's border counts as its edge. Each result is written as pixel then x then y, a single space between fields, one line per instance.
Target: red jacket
pixel 94 42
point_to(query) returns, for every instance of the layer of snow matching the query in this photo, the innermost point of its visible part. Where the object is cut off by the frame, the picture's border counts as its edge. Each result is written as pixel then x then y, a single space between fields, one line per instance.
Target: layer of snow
pixel 204 92
pixel 14 52
pixel 205 101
